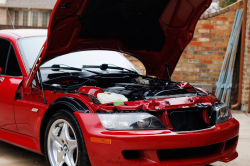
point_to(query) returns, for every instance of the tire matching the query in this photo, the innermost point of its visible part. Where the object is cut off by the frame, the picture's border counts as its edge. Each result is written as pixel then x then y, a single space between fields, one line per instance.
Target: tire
pixel 64 143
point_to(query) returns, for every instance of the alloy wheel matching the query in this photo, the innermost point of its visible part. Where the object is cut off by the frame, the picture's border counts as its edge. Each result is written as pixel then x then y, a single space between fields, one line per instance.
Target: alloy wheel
pixel 62 144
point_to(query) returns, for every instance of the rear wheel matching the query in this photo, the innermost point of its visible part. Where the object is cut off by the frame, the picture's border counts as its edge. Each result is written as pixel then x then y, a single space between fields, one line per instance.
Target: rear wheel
pixel 64 142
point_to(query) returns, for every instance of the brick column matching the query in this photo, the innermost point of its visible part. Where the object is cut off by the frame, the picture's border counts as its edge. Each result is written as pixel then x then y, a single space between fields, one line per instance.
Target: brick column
pixel 246 66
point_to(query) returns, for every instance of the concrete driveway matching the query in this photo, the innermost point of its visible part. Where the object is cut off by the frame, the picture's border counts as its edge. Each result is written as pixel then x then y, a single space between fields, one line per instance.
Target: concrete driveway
pixel 14 156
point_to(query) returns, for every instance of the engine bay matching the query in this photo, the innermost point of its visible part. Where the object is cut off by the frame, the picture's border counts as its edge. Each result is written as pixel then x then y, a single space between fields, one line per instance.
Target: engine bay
pixel 133 87
pixel 133 93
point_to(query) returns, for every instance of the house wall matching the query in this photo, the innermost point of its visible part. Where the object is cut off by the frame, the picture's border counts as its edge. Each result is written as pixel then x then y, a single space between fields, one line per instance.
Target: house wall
pixel 6 20
pixel 3 14
pixel 27 5
pixel 38 4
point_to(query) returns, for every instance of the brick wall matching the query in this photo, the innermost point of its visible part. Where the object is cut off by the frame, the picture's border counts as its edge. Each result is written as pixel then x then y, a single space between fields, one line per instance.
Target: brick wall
pixel 246 66
pixel 201 61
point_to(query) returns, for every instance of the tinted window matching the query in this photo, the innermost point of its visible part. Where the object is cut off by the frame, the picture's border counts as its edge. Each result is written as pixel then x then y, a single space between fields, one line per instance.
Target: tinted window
pixel 13 68
pixel 4 50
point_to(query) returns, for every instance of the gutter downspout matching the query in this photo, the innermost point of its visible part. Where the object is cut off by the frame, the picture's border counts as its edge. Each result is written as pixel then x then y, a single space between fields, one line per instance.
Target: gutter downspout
pixel 249 101
pixel 243 34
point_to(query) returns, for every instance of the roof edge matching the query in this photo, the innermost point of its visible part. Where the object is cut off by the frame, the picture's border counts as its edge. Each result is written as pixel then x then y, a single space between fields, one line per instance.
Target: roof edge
pixel 222 11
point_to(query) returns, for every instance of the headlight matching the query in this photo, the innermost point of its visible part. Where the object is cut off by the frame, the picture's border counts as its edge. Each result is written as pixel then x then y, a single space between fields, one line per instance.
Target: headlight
pixel 130 121
pixel 221 113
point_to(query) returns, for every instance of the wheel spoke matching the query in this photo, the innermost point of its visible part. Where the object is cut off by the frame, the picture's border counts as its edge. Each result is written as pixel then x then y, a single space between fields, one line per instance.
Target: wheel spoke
pixel 59 157
pixel 64 131
pixel 71 150
pixel 67 160
pixel 57 141
pixel 61 163
pixel 57 144
pixel 72 143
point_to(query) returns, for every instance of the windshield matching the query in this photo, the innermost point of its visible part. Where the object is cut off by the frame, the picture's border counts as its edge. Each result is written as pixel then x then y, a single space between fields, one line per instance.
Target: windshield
pixel 31 46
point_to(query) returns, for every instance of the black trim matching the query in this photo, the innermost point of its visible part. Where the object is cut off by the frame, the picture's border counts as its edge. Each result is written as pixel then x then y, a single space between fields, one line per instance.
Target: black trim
pixel 11 45
pixel 7 60
pixel 73 103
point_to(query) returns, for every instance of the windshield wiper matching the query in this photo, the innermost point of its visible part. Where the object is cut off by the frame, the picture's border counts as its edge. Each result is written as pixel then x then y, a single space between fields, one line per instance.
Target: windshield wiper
pixel 106 66
pixel 58 68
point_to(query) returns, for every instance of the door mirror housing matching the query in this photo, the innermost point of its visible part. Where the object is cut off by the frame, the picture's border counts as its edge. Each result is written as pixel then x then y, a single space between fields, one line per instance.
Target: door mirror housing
pixel 1 70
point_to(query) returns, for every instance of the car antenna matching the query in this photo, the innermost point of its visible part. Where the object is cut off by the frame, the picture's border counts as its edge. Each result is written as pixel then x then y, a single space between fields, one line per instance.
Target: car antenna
pixel 41 84
pixel 9 15
pixel 169 77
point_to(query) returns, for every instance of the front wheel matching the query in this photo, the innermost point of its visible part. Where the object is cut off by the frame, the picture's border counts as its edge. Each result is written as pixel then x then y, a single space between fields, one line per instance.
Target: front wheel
pixel 64 142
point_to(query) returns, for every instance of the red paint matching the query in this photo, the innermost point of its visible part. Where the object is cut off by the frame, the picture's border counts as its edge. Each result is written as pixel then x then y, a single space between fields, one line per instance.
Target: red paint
pixel 148 142
pixel 20 140
pixel 91 90
pixel 8 88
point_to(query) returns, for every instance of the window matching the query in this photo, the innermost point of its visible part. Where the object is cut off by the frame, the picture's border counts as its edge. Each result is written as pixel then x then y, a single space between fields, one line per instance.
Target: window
pixel 35 18
pixel 13 68
pixel 8 60
pixel 16 21
pixel 4 50
pixel 45 19
pixel 25 18
pixel 30 47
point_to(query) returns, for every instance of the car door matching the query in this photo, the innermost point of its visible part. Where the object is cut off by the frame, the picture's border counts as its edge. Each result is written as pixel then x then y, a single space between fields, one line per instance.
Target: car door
pixel 10 79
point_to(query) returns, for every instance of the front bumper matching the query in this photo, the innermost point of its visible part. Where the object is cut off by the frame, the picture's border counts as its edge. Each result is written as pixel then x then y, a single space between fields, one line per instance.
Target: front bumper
pixel 147 144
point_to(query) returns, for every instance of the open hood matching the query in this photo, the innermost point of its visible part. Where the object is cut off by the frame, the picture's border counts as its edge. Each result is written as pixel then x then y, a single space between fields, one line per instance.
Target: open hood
pixel 154 31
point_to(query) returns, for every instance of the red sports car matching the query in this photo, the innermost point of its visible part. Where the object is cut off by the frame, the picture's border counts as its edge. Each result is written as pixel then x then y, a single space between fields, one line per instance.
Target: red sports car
pixel 64 96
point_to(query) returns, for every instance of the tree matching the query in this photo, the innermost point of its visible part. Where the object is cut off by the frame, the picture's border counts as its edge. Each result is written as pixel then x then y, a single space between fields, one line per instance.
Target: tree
pixel 225 3
pixel 213 8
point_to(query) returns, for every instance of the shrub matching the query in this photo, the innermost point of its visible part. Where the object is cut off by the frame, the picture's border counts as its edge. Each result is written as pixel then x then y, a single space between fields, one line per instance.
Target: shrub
pixel 225 3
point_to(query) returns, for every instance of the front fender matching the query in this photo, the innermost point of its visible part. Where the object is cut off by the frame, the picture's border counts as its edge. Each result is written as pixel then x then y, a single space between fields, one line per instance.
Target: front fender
pixel 73 103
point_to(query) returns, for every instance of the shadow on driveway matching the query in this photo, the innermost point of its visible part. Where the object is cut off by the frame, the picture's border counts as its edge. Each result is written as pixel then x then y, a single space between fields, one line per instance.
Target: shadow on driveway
pixel 15 156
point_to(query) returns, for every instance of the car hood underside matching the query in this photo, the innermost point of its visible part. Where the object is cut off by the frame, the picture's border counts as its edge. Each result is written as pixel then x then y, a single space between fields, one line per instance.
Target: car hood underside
pixel 154 31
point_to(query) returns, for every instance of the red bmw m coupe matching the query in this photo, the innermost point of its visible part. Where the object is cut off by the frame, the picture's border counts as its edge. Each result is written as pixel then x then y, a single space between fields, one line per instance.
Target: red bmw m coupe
pixel 67 92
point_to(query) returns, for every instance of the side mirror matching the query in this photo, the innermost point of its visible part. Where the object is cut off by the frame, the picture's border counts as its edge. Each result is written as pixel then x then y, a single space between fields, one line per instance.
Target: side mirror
pixel 1 70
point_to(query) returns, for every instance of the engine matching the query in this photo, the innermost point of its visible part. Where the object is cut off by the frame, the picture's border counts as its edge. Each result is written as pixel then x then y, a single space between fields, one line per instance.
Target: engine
pixel 131 88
